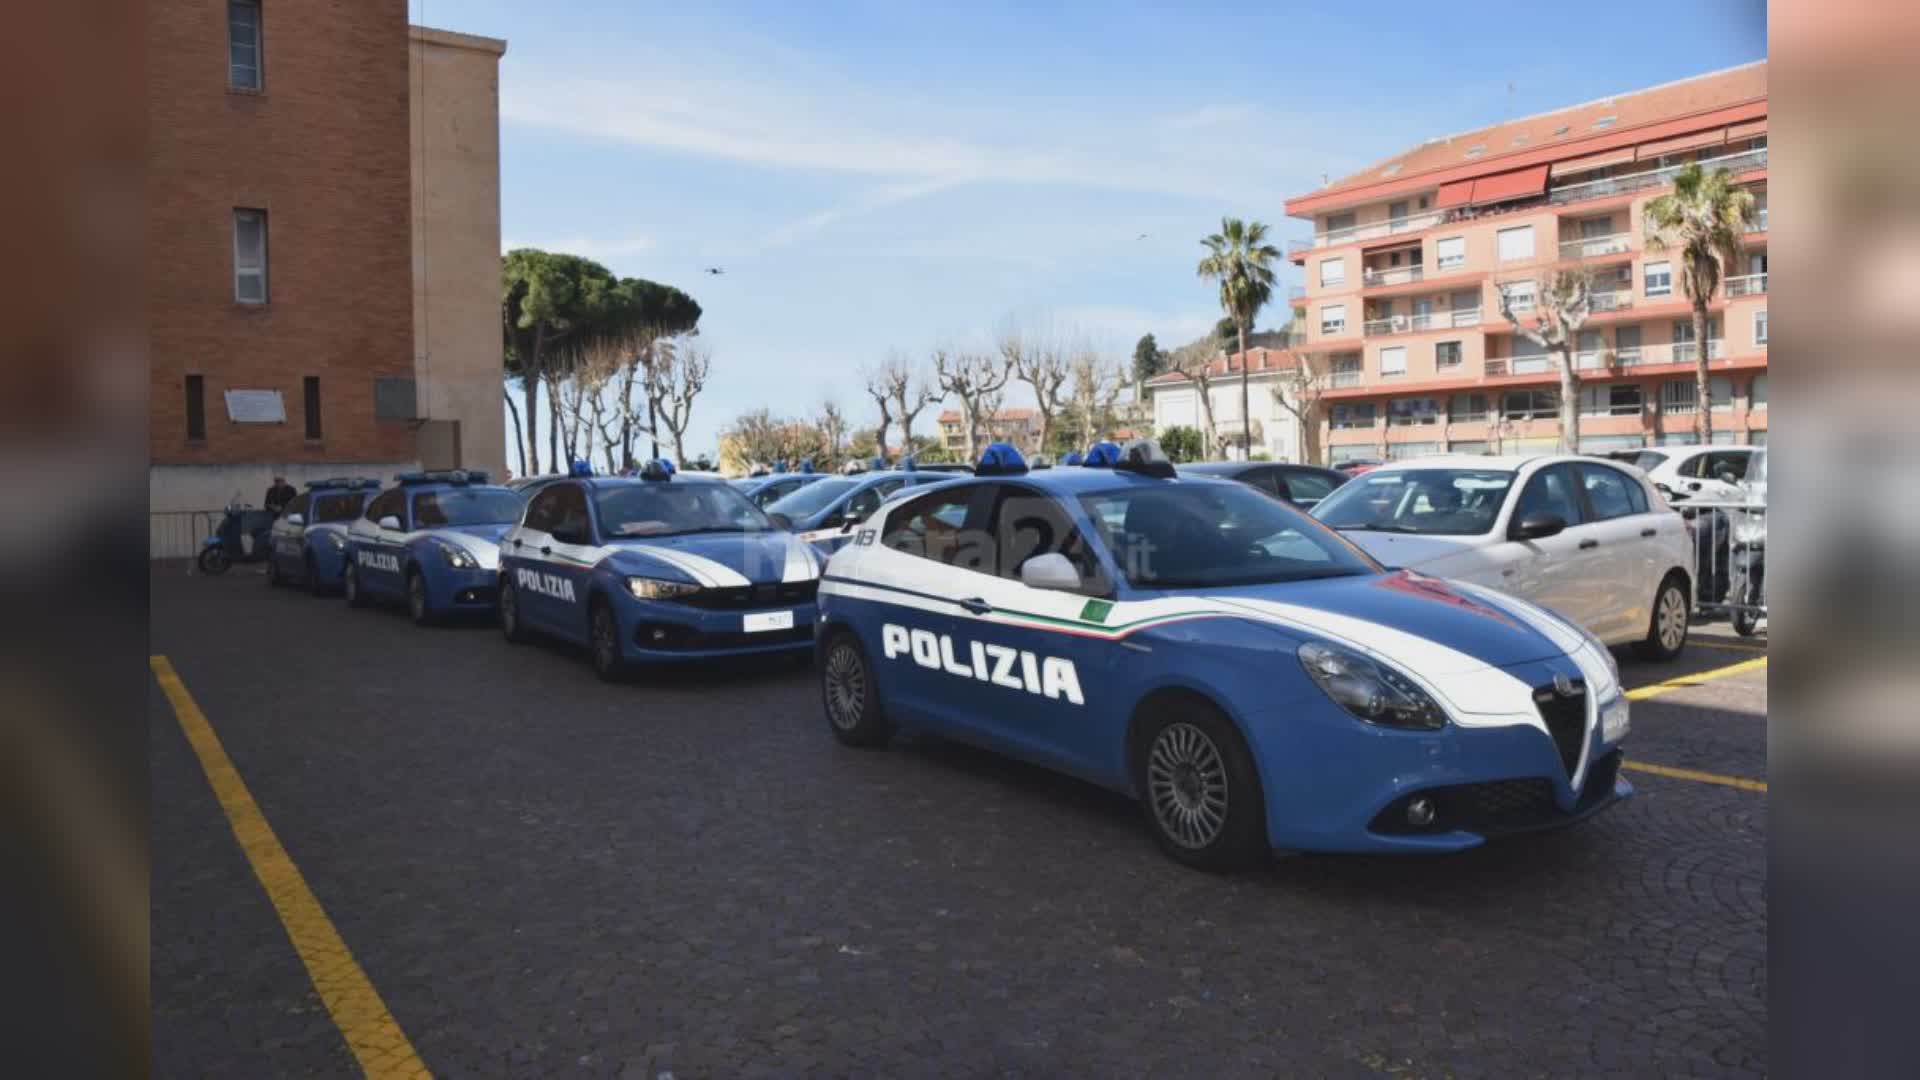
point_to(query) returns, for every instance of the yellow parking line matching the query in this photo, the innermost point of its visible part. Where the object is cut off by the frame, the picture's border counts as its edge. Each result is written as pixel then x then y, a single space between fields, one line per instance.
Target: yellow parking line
pixel 1682 682
pixel 1695 774
pixel 1730 646
pixel 370 1030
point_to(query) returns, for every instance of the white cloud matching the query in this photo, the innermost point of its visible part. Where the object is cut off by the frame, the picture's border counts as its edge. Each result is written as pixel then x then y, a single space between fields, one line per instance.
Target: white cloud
pixel 865 202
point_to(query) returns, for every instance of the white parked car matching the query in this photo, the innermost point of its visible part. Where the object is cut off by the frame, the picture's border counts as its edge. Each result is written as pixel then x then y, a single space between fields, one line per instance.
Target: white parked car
pixel 1587 537
pixel 1712 473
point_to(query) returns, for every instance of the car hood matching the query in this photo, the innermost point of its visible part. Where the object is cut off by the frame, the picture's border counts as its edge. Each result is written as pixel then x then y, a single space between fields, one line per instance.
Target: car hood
pixel 1397 550
pixel 1436 626
pixel 718 560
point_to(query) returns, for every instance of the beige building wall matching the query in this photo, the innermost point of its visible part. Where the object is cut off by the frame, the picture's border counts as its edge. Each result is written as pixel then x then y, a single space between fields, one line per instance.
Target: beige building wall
pixel 455 97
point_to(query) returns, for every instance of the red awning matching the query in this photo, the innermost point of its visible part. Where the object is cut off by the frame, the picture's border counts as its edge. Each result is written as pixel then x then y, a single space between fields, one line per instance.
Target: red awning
pixel 1594 161
pixel 1747 130
pixel 1458 193
pixel 1684 142
pixel 1510 185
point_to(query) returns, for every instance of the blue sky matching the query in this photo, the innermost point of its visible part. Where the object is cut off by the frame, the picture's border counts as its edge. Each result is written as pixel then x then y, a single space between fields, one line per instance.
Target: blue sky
pixel 896 175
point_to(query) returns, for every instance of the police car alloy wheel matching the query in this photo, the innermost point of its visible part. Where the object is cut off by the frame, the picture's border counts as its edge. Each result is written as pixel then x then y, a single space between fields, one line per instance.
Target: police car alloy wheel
pixel 350 586
pixel 603 638
pixel 510 624
pixel 1667 629
pixel 417 599
pixel 1197 783
pixel 848 694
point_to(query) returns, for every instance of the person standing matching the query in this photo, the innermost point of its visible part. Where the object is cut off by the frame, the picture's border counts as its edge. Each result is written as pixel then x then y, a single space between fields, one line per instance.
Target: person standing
pixel 279 495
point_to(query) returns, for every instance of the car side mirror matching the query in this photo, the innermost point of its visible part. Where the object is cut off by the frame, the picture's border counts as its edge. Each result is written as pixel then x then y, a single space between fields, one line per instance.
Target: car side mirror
pixel 781 521
pixel 1538 525
pixel 388 522
pixel 296 519
pixel 1050 571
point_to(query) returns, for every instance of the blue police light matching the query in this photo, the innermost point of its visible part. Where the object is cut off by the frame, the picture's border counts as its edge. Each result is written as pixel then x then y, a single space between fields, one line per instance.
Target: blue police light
pixel 1000 459
pixel 1145 457
pixel 877 463
pixel 1072 459
pixel 657 469
pixel 907 464
pixel 806 466
pixel 1101 455
pixel 780 467
pixel 580 467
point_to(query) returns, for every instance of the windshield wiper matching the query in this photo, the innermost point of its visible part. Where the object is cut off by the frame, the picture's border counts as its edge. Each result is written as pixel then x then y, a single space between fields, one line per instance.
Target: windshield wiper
pixel 704 529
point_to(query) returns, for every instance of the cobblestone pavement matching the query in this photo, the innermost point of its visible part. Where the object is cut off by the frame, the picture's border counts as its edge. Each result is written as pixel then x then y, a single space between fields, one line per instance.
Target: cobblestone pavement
pixel 544 875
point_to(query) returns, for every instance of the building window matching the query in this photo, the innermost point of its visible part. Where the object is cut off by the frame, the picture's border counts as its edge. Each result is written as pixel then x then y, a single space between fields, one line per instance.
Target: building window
pixel 1516 243
pixel 1342 417
pixel 1408 412
pixel 1531 405
pixel 1679 396
pixel 313 406
pixel 1519 294
pixel 196 408
pixel 250 256
pixel 1720 392
pixel 1757 393
pixel 243 45
pixel 1760 327
pixel 1333 319
pixel 1447 354
pixel 1405 451
pixel 1467 408
pixel 1393 360
pixel 1658 278
pixel 1338 224
pixel 1333 272
pixel 1450 253
pixel 1618 399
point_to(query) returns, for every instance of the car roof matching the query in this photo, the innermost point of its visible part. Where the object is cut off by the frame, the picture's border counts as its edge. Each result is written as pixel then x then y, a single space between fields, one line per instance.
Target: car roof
pixel 1493 462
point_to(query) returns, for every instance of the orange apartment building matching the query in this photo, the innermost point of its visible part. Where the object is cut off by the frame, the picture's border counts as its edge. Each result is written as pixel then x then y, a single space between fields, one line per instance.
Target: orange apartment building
pixel 1401 302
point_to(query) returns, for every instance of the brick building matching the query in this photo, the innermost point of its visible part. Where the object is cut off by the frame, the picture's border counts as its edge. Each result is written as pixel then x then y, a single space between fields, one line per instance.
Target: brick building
pixel 282 232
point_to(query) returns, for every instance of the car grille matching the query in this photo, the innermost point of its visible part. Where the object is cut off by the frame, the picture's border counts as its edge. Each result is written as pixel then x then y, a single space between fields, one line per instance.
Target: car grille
pixel 750 597
pixel 1499 807
pixel 1566 719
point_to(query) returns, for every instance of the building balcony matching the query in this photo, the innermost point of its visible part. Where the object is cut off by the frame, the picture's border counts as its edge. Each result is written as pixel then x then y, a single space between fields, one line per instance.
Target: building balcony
pixel 1594 247
pixel 1759 223
pixel 1746 285
pixel 1335 237
pixel 1373 277
pixel 1612 300
pixel 1745 161
pixel 1409 323
pixel 1338 379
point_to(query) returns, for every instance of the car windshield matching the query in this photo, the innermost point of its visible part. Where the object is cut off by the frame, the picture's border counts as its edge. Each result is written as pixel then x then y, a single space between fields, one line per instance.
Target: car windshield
pixel 1432 502
pixel 812 498
pixel 1647 460
pixel 337 507
pixel 465 506
pixel 670 509
pixel 1204 535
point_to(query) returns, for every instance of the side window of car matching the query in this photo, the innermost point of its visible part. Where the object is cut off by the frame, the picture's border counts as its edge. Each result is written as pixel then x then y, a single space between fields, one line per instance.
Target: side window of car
pixel 1608 492
pixel 863 502
pixel 426 511
pixel 543 511
pixel 570 504
pixel 1637 495
pixel 298 505
pixel 1734 461
pixel 1308 488
pixel 932 526
pixel 387 504
pixel 1551 490
pixel 1029 523
pixel 1694 467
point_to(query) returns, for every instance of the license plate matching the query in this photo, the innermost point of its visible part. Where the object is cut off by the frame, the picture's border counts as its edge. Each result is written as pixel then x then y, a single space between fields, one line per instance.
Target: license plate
pixel 766 620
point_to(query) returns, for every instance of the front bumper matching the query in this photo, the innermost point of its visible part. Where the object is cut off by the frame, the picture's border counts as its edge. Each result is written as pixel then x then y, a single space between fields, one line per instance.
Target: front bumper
pixel 450 591
pixel 665 632
pixel 1334 783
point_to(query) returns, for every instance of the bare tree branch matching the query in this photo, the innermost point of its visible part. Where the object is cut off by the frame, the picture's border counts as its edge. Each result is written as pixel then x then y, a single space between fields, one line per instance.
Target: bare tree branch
pixel 1562 303
pixel 976 379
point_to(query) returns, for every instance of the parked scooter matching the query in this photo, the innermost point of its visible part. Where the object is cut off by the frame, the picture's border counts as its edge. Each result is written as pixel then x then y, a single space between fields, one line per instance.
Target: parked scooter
pixel 243 536
pixel 1747 576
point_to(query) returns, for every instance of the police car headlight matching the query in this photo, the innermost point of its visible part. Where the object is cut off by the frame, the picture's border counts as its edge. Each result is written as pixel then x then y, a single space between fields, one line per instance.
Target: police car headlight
pixel 338 541
pixel 646 588
pixel 458 557
pixel 1371 691
pixel 1614 721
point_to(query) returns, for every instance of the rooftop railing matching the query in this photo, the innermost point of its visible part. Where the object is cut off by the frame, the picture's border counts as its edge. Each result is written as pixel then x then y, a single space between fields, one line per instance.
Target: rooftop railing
pixel 1745 161
pixel 1369 231
pixel 1391 275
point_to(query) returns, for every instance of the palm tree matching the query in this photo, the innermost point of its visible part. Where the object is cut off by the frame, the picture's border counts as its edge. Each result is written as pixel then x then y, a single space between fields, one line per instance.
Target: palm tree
pixel 1241 260
pixel 1703 218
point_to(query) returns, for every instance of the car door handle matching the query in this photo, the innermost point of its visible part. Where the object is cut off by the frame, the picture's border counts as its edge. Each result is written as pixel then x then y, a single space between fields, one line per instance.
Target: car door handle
pixel 546 549
pixel 516 541
pixel 1649 532
pixel 976 605
pixel 1589 543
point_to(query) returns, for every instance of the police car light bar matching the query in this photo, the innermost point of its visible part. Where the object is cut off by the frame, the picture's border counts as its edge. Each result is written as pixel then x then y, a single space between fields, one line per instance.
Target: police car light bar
pixel 580 467
pixel 1101 455
pixel 907 464
pixel 1145 457
pixel 1000 459
pixel 1071 459
pixel 456 477
pixel 806 466
pixel 658 469
pixel 342 483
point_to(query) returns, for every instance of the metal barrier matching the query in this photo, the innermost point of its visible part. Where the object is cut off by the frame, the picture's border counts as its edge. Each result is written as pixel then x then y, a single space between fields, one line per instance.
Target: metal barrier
pixel 1730 546
pixel 176 534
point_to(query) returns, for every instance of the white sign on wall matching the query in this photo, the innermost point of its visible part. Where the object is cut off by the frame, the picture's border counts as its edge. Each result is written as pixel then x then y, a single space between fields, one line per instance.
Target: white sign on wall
pixel 256 407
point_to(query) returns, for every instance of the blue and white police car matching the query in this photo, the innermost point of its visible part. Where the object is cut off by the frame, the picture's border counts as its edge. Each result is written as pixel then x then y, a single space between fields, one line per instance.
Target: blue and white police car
pixel 309 539
pixel 432 540
pixel 1256 681
pixel 656 569
pixel 825 512
pixel 765 490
